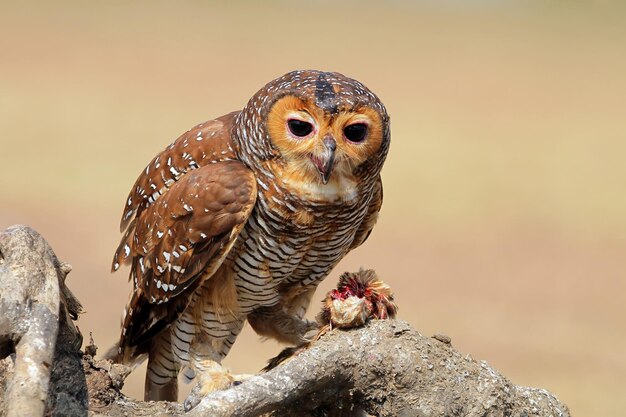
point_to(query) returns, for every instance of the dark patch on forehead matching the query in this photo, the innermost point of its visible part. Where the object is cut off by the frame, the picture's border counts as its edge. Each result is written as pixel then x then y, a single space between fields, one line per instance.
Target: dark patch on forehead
pixel 325 94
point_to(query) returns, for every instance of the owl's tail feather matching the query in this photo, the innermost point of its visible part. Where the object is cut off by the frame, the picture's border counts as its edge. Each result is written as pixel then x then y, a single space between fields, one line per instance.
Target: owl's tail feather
pixel 131 356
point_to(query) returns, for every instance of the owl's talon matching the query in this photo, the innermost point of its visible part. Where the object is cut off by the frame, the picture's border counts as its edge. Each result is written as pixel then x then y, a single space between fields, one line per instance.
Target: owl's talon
pixel 200 390
pixel 192 400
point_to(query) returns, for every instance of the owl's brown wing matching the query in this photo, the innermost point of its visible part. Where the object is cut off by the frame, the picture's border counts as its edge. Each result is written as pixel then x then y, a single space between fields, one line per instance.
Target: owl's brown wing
pixel 365 229
pixel 180 240
pixel 181 217
pixel 206 143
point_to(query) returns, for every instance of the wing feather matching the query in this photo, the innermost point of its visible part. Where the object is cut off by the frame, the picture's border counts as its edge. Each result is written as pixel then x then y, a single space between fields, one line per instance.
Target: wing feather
pixel 205 143
pixel 181 240
pixel 180 220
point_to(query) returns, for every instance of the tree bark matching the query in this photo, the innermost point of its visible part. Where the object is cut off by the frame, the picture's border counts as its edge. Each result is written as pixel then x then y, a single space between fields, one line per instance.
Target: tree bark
pixel 383 369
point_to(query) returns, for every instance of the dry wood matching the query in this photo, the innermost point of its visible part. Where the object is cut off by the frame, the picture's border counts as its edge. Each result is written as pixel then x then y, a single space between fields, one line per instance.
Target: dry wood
pixel 384 369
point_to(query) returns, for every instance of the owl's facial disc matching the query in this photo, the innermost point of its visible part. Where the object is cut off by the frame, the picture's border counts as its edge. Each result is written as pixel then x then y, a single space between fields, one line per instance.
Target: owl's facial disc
pixel 321 147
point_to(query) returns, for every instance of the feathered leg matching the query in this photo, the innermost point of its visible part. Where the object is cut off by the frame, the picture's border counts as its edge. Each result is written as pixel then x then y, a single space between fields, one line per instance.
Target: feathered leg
pixel 161 377
pixel 204 361
pixel 277 323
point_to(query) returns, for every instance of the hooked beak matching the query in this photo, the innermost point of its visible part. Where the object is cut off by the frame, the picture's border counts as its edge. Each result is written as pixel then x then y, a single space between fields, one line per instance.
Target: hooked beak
pixel 326 160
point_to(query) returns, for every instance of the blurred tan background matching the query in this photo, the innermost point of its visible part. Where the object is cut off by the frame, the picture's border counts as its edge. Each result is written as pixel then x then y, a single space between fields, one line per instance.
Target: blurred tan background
pixel 504 223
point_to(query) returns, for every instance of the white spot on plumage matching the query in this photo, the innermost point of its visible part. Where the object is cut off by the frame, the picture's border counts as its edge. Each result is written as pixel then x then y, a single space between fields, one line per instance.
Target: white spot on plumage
pixel 166 255
pixel 159 234
pixel 158 283
pixel 176 254
pixel 187 207
pixel 126 250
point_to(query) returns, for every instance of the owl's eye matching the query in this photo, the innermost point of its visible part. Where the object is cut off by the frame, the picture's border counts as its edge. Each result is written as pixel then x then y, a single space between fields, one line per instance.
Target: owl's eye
pixel 299 128
pixel 356 132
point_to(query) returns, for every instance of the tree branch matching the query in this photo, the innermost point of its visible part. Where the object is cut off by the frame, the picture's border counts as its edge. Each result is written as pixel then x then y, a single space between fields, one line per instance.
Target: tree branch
pixel 384 369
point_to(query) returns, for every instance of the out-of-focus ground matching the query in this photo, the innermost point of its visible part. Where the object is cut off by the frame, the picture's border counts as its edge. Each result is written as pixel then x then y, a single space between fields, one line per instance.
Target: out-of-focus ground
pixel 504 223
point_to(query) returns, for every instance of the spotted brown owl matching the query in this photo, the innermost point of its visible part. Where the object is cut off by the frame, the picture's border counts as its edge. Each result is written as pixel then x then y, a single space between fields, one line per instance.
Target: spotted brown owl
pixel 241 218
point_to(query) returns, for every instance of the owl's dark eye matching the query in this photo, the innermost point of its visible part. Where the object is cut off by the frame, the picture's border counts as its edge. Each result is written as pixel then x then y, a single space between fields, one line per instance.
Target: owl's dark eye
pixel 299 128
pixel 356 132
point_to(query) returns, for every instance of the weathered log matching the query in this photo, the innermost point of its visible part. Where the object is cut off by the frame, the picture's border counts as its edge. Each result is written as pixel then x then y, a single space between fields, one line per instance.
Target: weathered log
pixel 36 312
pixel 384 369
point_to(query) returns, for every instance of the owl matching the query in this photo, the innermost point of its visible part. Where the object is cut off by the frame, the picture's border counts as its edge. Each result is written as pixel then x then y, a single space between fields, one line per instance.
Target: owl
pixel 240 219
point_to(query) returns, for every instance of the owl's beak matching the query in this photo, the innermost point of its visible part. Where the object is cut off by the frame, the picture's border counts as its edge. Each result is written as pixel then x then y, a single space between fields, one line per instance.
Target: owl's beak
pixel 326 160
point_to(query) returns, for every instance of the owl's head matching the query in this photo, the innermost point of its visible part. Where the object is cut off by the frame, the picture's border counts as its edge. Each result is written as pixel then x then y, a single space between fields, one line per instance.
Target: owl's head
pixel 315 130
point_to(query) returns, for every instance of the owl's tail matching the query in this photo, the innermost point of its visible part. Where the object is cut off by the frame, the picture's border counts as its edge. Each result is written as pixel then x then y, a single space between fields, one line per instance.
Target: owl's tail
pixel 129 357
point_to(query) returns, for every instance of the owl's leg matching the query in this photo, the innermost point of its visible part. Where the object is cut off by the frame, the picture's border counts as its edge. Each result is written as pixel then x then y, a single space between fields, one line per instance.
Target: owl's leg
pixel 161 376
pixel 285 321
pixel 205 354
pixel 210 376
pixel 281 325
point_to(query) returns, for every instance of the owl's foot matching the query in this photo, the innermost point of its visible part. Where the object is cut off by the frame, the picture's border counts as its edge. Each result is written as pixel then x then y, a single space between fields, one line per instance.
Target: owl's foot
pixel 211 376
pixel 278 324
